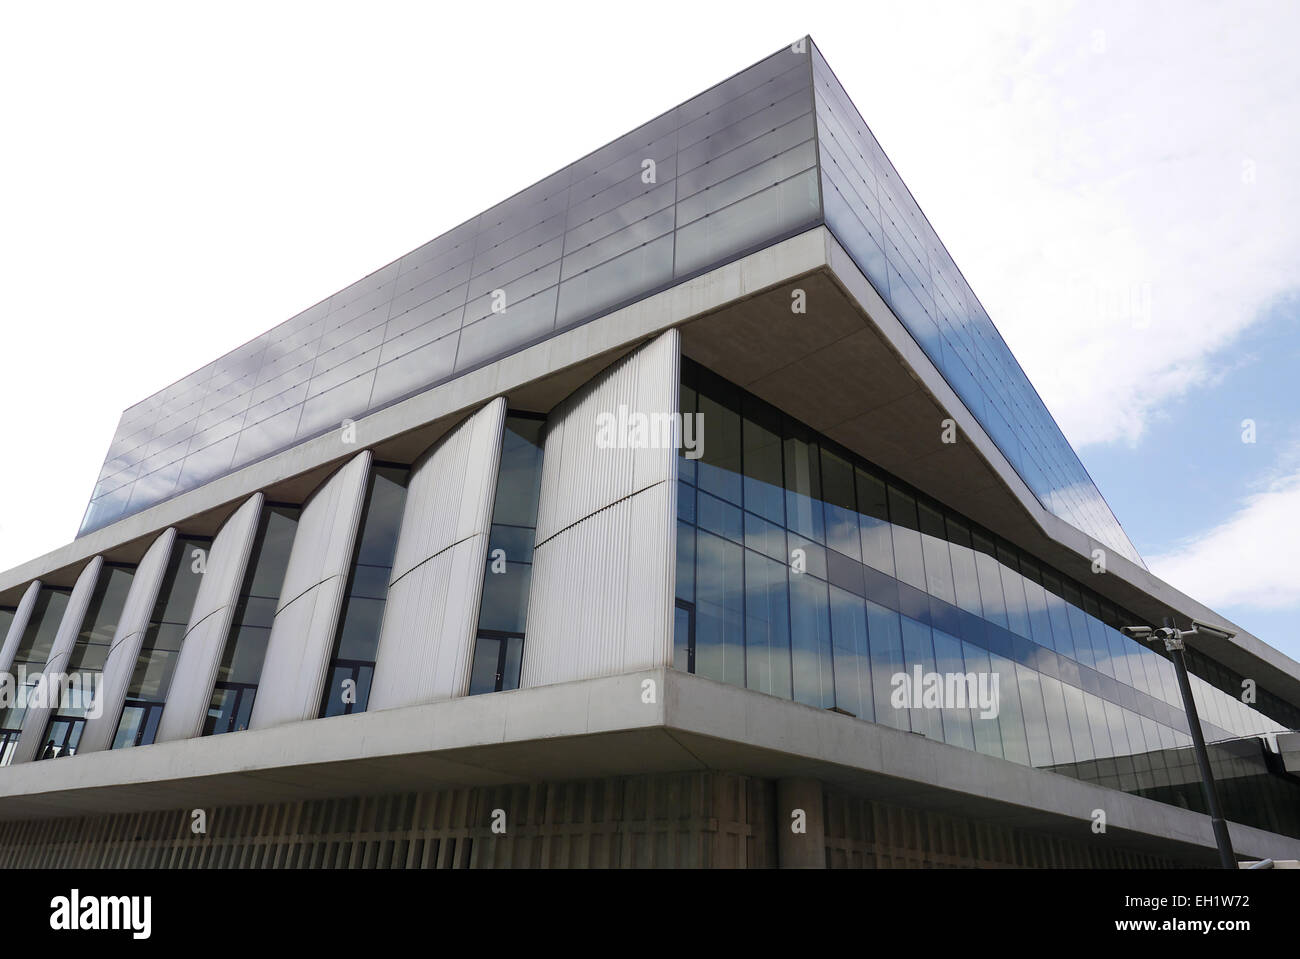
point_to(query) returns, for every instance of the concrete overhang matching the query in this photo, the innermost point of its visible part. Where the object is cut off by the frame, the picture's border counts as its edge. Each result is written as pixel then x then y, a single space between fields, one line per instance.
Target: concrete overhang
pixel 597 728
pixel 847 367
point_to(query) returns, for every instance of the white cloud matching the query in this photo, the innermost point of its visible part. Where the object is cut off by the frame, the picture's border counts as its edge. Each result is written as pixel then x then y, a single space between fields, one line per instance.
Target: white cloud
pixel 1114 181
pixel 1251 560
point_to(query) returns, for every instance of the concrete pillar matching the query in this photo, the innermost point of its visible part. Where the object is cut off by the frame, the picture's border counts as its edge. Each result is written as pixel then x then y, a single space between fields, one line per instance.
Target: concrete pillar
pixel 119 666
pixel 799 807
pixel 29 743
pixel 426 642
pixel 22 616
pixel 209 625
pixel 302 636
pixel 606 519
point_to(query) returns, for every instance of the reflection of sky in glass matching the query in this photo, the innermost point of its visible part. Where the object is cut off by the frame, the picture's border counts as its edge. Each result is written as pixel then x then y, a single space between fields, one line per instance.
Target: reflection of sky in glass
pixel 729 171
pixel 869 209
pixel 815 577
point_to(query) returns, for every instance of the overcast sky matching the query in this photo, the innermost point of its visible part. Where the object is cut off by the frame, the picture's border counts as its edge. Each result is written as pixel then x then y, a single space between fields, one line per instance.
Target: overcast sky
pixel 1117 181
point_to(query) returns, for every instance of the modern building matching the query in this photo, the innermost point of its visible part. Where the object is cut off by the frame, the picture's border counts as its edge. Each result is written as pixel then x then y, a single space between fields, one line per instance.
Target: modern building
pixel 684 509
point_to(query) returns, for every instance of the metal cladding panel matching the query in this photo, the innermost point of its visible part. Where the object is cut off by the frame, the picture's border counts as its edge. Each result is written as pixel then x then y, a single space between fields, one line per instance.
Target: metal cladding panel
pixel 302 637
pixel 449 497
pixel 205 636
pixel 426 642
pixel 19 625
pixel 29 743
pixel 581 472
pixel 127 639
pixel 603 568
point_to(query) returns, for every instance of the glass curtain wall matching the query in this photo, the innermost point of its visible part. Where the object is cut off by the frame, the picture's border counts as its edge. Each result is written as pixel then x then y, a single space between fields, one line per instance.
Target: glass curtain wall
pixel 86 663
pixel 352 662
pixel 241 661
pixel 151 679
pixel 499 649
pixel 807 573
pixel 29 663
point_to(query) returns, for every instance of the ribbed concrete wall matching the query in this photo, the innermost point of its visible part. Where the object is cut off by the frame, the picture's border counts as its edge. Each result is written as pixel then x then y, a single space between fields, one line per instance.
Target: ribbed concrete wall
pixel 426 643
pixel 602 587
pixel 22 616
pixel 119 666
pixel 205 636
pixel 34 721
pixel 302 637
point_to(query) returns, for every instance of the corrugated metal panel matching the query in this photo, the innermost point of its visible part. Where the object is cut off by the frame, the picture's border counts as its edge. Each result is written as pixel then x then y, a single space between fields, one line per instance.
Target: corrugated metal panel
pixel 302 637
pixel 426 642
pixel 65 638
pixel 601 596
pixel 127 639
pixel 19 625
pixel 205 636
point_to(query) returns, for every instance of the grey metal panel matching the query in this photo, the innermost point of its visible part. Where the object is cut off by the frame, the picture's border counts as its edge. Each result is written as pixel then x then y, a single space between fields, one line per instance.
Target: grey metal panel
pixel 29 743
pixel 302 637
pixel 426 643
pixel 19 625
pixel 205 636
pixel 119 666
pixel 601 597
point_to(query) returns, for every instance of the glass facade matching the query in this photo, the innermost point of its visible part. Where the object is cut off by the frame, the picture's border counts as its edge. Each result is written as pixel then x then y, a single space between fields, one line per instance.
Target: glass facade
pixel 729 171
pixel 63 731
pixel 352 663
pixel 499 648
pixel 807 573
pixel 146 695
pixel 873 215
pixel 241 661
pixel 29 663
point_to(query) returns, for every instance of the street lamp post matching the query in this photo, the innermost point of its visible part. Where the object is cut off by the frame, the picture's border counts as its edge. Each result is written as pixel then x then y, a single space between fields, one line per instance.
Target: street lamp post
pixel 1173 640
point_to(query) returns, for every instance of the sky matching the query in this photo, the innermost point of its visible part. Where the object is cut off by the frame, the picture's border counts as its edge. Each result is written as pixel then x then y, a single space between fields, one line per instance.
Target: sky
pixel 1117 182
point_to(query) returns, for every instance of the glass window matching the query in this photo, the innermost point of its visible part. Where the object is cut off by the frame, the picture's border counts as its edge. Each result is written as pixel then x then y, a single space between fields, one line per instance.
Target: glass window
pixel 498 654
pixel 245 649
pixel 719 609
pixel 965 579
pixel 873 522
pixel 852 654
pixel 810 628
pixel 840 507
pixel 767 626
pixel 356 639
pixel 934 552
pixel 918 650
pixel 30 658
pixel 1033 706
pixel 718 468
pixel 887 665
pixel 907 537
pixel 85 664
pixel 803 489
pixel 151 679
pixel 957 727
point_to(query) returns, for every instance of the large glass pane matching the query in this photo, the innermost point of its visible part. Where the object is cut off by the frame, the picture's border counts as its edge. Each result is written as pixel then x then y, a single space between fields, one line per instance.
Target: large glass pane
pixel 852 654
pixel 719 609
pixel 357 636
pixel 767 626
pixel 888 668
pixel 810 628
